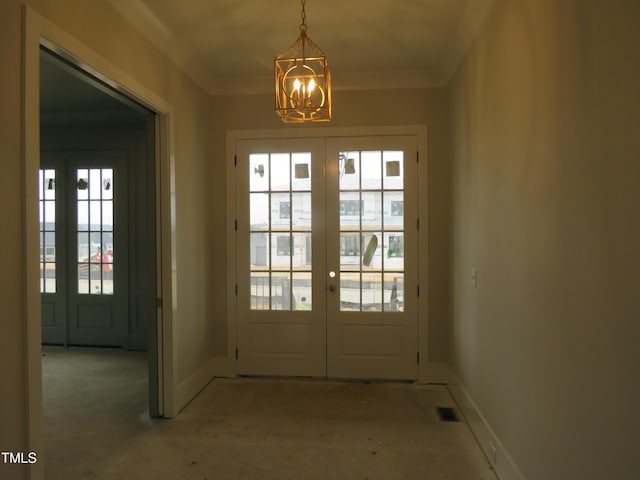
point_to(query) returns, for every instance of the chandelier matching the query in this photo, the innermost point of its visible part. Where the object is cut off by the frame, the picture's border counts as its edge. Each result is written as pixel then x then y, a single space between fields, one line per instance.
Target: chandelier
pixel 303 81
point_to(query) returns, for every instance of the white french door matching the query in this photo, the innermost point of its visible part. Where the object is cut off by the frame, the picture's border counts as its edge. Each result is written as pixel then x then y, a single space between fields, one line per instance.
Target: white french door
pixel 327 257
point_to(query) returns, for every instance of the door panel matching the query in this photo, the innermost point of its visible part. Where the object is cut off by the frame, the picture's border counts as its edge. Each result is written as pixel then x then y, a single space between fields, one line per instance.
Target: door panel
pixel 281 328
pixel 52 251
pixel 372 227
pixel 98 312
pixel 324 227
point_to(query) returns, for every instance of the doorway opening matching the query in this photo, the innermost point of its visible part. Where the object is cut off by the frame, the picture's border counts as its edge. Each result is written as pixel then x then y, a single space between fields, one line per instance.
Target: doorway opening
pixel 98 258
pixel 328 281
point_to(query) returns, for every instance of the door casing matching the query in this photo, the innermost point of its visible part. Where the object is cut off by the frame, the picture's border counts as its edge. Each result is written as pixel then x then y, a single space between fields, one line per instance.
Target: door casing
pixel 229 366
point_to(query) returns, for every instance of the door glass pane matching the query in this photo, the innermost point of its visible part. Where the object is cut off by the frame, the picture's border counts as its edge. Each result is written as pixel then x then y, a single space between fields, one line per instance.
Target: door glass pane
pixel 372 251
pixel 301 258
pixel 259 211
pixel 393 292
pixel 280 211
pixel 280 171
pixel 371 212
pixel 350 251
pixel 259 247
pixel 83 277
pixel 259 288
pixel 394 251
pixel 393 170
pixel 280 231
pixel 301 171
pixel 301 210
pixel 47 215
pixel 280 291
pixel 107 184
pixel 301 284
pixel 349 170
pixel 259 172
pixel 371 292
pixel 350 291
pixel 394 209
pixel 281 251
pixel 371 164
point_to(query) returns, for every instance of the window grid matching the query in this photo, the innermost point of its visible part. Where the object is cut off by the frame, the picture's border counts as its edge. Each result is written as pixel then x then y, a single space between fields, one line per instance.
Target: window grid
pixel 95 219
pixel 47 212
pixel 280 234
pixel 376 281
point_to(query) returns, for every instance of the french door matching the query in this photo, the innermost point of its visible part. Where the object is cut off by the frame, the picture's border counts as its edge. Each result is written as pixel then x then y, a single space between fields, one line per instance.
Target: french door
pixel 327 263
pixel 83 248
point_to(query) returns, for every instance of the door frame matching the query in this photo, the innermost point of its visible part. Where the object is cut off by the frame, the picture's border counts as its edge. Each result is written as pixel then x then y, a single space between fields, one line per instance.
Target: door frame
pixel 229 367
pixel 39 31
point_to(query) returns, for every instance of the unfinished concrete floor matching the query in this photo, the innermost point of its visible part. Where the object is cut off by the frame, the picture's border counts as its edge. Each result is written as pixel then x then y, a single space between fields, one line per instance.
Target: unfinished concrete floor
pixel 271 429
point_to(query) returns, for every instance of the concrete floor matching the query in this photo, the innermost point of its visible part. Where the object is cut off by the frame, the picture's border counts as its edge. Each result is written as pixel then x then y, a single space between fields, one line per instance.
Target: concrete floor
pixel 247 428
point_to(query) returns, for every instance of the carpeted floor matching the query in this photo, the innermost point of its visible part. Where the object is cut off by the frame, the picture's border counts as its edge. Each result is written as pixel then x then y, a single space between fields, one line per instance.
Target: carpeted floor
pixel 249 429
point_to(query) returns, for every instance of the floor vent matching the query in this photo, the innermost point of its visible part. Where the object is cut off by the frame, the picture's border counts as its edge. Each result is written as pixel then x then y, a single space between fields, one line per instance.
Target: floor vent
pixel 447 414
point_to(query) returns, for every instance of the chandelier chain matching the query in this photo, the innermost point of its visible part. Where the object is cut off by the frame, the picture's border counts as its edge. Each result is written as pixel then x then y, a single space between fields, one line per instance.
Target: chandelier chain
pixel 303 25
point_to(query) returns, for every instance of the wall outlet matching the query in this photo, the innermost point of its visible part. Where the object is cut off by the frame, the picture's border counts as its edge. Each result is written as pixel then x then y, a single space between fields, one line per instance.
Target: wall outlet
pixel 492 453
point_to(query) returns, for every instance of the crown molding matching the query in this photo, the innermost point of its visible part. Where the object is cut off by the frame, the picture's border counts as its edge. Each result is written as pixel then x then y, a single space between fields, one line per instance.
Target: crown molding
pixel 142 19
pixel 469 26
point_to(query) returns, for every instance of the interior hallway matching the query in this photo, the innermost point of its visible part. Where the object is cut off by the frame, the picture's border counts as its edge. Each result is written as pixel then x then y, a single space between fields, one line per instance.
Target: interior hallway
pixel 247 428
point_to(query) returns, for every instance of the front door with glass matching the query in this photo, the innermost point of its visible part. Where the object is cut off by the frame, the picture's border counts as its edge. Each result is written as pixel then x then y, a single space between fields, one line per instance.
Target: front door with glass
pixel 327 263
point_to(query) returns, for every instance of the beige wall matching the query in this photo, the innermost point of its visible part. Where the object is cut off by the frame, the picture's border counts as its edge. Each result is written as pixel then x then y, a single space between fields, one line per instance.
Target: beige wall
pixel 361 109
pixel 12 346
pixel 546 162
pixel 99 28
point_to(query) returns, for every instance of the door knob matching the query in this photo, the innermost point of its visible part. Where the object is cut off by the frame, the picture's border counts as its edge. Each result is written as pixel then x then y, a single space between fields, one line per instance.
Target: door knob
pixel 332 288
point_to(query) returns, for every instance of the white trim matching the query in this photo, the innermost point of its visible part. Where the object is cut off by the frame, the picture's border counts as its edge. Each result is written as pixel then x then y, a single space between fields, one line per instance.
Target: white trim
pixel 38 30
pixel 502 463
pixel 188 389
pixel 146 22
pixel 420 131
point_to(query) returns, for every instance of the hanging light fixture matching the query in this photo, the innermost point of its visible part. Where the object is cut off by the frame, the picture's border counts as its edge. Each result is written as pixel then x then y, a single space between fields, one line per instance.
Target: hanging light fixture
pixel 303 81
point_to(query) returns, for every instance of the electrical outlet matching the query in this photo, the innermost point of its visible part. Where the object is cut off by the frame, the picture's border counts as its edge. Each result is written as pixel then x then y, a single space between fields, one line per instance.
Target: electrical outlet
pixel 492 453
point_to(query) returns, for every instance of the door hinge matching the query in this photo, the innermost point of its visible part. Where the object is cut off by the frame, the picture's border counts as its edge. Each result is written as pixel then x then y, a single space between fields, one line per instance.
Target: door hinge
pixel 236 289
pixel 418 223
pixel 235 225
pixel 158 302
pixel 236 353
pixel 417 357
pixel 235 160
pixel 417 157
pixel 418 290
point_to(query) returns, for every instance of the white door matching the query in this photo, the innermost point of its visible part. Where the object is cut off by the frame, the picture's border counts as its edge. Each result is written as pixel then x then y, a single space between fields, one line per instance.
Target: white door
pixel 327 262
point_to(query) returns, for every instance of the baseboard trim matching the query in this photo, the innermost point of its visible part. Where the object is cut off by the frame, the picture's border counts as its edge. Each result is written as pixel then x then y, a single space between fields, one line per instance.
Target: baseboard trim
pixel 436 372
pixel 501 461
pixel 223 367
pixel 189 388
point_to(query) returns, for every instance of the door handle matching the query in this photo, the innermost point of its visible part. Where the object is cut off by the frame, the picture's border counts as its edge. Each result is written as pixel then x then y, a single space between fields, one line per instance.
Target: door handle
pixel 332 288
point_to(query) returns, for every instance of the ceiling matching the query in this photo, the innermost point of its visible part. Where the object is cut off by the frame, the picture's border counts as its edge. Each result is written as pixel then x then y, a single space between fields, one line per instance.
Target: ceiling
pixel 228 46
